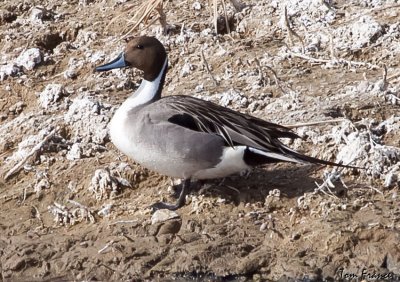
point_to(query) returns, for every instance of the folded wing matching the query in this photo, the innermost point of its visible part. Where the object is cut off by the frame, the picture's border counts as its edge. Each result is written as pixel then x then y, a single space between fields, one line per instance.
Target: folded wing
pixel 238 129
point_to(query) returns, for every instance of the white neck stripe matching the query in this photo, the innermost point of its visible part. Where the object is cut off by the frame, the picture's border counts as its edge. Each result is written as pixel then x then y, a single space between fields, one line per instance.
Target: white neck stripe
pixel 147 90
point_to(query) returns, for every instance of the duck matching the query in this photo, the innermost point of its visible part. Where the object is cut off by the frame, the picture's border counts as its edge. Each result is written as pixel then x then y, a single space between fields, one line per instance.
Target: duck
pixel 184 137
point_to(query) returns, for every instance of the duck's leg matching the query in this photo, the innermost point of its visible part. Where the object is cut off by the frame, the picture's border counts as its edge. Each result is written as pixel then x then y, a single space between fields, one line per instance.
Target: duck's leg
pixel 179 203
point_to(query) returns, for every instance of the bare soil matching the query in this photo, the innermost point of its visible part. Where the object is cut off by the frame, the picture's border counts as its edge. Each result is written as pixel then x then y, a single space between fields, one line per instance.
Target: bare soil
pixel 59 222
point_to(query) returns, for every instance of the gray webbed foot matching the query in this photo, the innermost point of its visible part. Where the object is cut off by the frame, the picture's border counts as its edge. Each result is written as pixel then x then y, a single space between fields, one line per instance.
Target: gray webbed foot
pixel 179 203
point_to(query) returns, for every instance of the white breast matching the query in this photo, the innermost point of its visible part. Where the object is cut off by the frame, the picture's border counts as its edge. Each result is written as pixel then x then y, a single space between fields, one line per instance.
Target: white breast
pixel 118 130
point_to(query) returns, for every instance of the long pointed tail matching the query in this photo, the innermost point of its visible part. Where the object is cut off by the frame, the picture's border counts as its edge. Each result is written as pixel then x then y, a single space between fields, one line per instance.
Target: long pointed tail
pixel 257 157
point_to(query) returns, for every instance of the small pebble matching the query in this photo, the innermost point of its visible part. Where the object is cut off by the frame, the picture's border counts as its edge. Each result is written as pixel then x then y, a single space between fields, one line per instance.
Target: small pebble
pixel 163 215
pixel 196 6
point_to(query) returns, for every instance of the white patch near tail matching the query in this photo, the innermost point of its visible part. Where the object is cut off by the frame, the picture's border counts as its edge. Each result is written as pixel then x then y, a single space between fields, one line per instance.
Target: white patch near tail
pixel 277 156
pixel 231 162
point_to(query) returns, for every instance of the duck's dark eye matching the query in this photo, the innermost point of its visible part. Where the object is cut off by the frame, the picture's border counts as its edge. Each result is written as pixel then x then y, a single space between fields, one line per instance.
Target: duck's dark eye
pixel 139 46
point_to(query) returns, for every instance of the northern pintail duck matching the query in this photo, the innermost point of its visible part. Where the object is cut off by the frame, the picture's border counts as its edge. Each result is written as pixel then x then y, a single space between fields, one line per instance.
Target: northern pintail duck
pixel 185 137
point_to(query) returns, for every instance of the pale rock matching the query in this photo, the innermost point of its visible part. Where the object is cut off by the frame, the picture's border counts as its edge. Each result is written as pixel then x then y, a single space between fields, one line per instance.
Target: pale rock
pixel 196 6
pixel 75 153
pixel 88 120
pixel 9 69
pixel 37 15
pixel 163 215
pixel 29 59
pixel 50 95
pixel 186 69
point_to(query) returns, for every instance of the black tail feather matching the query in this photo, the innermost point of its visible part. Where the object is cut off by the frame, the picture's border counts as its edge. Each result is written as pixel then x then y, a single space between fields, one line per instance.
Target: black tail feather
pixel 254 157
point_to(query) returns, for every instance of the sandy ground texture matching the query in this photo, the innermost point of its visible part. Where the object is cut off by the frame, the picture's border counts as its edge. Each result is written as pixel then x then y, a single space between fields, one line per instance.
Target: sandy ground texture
pixel 73 208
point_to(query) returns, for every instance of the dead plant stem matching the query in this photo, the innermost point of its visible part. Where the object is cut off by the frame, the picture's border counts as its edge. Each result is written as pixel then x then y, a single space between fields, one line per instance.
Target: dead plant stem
pixel 18 166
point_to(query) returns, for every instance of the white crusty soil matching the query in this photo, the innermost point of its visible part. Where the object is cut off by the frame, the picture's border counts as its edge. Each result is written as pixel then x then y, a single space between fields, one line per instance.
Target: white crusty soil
pixel 74 208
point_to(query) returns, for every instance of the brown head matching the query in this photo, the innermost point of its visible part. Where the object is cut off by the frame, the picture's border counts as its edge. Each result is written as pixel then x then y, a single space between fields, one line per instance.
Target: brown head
pixel 144 53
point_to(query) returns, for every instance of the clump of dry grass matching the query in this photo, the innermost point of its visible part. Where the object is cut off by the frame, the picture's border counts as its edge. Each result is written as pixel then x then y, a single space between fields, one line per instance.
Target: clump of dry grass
pixel 152 10
pixel 215 15
pixel 143 14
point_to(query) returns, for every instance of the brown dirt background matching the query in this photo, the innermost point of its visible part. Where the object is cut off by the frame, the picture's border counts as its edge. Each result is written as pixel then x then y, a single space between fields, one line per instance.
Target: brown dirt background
pixel 243 229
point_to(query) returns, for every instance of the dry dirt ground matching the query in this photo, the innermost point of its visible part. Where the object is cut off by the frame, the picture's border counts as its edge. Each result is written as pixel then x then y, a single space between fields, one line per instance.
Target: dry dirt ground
pixel 76 209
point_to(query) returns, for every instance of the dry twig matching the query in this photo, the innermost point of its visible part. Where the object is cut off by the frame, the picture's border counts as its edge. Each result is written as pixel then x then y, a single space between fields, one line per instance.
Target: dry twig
pixel 215 13
pixel 226 17
pixel 276 78
pixel 123 222
pixel 292 32
pixel 332 47
pixel 18 166
pixel 163 17
pixel 327 184
pixel 203 58
pixel 105 247
pixel 338 61
pixel 393 76
pixel 384 77
pixel 144 11
pixel 38 216
pixel 314 123
pixel 260 71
